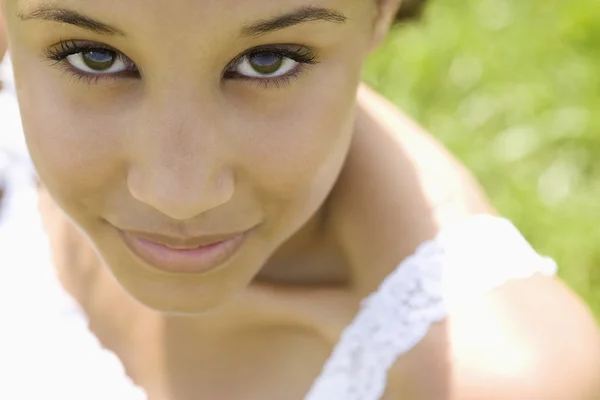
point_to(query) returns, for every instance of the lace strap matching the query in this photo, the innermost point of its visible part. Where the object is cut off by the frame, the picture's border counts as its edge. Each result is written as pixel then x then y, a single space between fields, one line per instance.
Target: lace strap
pixel 467 259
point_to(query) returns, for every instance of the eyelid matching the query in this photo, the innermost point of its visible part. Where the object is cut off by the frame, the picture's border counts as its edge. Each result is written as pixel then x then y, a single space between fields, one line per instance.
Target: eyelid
pixel 65 48
pixel 278 82
pixel 299 53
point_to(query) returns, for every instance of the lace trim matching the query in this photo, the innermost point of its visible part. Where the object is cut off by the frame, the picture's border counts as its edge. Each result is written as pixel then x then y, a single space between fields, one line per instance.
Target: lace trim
pixel 470 258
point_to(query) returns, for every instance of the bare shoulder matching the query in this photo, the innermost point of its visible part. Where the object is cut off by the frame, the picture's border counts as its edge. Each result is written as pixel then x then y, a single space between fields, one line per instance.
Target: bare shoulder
pixel 530 339
pixel 447 185
pixel 399 177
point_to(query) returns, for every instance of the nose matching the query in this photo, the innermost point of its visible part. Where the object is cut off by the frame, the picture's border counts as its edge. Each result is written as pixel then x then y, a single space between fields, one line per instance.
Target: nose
pixel 178 166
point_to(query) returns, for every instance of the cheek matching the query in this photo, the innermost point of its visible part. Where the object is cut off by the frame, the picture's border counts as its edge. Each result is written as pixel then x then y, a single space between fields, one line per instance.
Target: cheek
pixel 74 150
pixel 297 147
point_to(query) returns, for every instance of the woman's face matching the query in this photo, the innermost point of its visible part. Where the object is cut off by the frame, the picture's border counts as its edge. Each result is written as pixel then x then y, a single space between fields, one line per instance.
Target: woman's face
pixel 188 139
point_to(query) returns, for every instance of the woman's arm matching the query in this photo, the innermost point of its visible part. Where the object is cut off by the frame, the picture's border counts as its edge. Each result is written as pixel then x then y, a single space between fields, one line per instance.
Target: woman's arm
pixel 531 339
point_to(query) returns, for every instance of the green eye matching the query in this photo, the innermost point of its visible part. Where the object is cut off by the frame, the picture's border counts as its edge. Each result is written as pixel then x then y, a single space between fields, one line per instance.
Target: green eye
pixel 99 62
pixel 266 63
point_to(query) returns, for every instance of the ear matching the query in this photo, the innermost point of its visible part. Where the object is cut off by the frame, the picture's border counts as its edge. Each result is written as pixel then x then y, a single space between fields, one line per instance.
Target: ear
pixel 386 14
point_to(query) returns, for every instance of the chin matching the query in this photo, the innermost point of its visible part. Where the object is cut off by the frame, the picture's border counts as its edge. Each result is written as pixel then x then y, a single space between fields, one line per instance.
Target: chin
pixel 181 294
pixel 181 307
pixel 184 295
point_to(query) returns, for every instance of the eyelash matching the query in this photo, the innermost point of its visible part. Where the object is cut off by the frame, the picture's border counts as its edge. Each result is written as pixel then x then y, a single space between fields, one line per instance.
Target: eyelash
pixel 302 55
pixel 59 53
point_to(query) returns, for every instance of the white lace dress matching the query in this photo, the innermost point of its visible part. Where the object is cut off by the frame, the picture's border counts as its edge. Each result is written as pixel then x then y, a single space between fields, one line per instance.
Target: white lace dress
pixel 47 351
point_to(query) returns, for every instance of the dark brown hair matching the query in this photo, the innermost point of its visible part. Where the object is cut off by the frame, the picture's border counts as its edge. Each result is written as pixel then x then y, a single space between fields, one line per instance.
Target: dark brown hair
pixel 410 9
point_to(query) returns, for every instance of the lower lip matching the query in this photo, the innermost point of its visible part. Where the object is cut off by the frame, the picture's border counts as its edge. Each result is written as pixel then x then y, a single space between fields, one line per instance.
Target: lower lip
pixel 192 261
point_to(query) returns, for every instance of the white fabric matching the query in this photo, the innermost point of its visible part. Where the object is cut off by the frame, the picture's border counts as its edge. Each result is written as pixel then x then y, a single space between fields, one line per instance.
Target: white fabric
pixel 47 351
pixel 464 261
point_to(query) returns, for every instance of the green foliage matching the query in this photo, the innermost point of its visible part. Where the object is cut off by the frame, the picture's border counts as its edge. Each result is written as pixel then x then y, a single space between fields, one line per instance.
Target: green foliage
pixel 512 88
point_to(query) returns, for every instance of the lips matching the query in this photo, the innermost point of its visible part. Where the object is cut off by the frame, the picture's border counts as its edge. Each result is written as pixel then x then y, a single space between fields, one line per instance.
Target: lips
pixel 183 255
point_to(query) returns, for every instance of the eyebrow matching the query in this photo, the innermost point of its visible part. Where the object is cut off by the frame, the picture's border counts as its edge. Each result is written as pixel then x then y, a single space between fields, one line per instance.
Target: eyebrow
pixel 296 17
pixel 71 18
pixel 262 27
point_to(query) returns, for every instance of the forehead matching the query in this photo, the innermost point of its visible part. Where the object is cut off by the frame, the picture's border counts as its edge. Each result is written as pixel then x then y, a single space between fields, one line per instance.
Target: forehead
pixel 173 15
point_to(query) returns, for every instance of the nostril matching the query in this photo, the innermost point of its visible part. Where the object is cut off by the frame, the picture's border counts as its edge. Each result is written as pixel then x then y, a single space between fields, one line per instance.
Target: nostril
pixel 179 197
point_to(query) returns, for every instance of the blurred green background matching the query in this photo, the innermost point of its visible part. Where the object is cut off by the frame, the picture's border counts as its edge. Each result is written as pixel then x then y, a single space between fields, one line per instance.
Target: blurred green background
pixel 512 88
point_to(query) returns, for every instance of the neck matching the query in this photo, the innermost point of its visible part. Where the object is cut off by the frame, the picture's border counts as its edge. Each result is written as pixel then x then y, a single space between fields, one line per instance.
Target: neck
pixel 310 257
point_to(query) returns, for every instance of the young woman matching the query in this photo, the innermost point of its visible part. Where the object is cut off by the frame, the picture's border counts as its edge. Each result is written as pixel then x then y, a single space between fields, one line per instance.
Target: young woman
pixel 244 219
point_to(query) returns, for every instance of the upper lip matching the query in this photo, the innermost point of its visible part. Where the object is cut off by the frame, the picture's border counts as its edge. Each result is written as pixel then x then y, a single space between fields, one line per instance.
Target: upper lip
pixel 183 243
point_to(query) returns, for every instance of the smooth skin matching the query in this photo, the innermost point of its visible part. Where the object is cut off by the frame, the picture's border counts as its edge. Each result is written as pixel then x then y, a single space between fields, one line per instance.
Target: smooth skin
pixel 337 185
